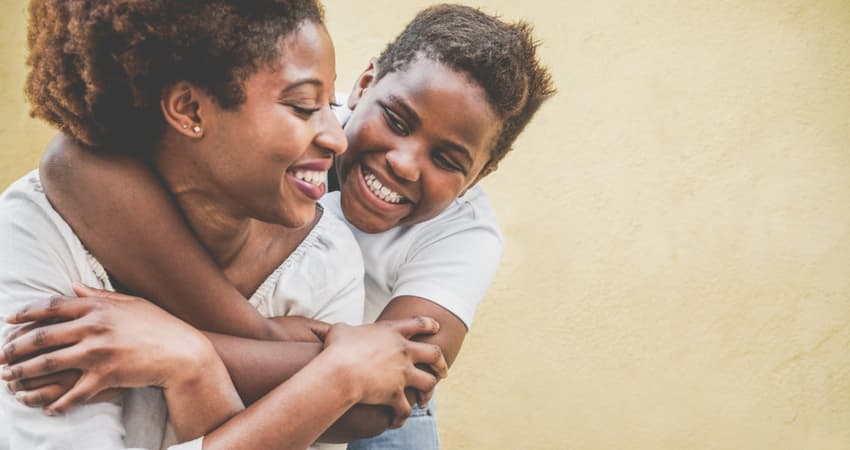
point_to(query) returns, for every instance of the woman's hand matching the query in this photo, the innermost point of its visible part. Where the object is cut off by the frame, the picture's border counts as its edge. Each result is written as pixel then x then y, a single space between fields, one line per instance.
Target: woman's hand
pixel 113 339
pixel 297 329
pixel 381 360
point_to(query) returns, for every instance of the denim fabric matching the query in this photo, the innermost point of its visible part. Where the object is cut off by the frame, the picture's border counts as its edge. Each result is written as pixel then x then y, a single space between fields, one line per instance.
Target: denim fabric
pixel 418 433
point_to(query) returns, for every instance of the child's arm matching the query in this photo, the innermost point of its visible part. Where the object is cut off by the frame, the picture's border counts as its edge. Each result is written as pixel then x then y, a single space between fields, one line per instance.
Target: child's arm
pixel 118 208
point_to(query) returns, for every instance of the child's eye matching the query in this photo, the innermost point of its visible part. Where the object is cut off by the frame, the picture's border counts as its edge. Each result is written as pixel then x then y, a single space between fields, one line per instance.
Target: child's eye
pixel 395 122
pixel 446 163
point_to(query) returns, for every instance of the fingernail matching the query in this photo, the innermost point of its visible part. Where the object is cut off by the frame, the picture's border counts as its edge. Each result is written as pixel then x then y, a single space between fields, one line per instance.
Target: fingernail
pixel 20 396
pixel 9 388
pixel 49 412
pixel 7 373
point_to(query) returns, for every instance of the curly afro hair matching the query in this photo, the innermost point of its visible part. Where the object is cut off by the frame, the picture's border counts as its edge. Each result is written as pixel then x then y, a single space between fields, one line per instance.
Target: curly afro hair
pixel 98 68
pixel 501 57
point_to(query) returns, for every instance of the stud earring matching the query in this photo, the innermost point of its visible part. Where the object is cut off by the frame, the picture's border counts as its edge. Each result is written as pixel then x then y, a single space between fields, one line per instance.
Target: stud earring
pixel 184 126
pixel 196 129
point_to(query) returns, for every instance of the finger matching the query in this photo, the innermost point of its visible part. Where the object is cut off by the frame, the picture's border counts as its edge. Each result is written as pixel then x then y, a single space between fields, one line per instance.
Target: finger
pixel 57 307
pixel 415 325
pixel 424 397
pixel 45 364
pixel 85 291
pixel 67 379
pixel 431 355
pixel 320 329
pixel 22 330
pixel 401 410
pixel 421 380
pixel 85 389
pixel 42 338
pixel 42 396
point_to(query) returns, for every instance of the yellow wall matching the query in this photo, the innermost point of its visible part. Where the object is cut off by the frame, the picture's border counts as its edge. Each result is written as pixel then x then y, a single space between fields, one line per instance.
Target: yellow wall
pixel 677 272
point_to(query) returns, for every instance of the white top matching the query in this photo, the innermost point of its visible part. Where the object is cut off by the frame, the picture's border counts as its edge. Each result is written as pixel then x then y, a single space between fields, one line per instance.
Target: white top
pixel 450 260
pixel 40 256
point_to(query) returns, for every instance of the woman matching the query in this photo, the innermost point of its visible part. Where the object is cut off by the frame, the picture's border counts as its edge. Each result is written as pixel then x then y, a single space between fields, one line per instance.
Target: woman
pixel 431 244
pixel 229 102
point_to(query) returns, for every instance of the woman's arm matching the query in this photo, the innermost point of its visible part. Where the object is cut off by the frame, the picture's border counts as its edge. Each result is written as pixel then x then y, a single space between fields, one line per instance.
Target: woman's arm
pixel 195 382
pixel 134 229
pixel 293 415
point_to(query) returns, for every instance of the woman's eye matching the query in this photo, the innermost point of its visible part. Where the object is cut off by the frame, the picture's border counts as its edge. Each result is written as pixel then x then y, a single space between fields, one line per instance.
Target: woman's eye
pixel 395 123
pixel 304 112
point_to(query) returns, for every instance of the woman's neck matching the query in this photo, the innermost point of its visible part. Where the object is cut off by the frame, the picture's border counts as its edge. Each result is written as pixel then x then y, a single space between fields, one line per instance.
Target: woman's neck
pixel 223 230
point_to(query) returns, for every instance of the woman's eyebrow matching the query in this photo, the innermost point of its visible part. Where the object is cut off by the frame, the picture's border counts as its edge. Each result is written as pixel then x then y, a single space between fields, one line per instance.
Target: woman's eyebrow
pixel 298 83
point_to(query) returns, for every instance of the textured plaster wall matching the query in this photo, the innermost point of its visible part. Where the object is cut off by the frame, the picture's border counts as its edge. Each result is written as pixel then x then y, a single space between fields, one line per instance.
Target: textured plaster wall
pixel 677 272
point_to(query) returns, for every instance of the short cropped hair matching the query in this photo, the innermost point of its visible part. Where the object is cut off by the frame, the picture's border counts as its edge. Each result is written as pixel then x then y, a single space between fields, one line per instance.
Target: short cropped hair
pixel 98 68
pixel 500 57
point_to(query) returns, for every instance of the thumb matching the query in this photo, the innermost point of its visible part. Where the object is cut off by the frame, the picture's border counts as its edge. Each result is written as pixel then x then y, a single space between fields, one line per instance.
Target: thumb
pixel 85 291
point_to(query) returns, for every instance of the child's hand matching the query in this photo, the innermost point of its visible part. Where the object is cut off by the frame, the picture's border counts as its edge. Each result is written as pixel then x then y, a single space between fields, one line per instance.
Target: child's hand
pixel 298 329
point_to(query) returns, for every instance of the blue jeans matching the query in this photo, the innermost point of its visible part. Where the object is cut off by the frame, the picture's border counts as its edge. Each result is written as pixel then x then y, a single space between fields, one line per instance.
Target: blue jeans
pixel 418 433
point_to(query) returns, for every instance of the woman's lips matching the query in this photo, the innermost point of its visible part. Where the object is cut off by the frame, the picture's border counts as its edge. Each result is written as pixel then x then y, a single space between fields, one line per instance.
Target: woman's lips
pixel 312 191
pixel 310 177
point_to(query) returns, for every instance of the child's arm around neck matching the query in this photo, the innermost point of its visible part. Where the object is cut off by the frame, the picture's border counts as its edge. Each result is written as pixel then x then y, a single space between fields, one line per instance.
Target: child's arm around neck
pixel 127 220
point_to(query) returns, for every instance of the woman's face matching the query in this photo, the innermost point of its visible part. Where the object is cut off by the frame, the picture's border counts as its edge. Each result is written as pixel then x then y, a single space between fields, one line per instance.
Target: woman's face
pixel 269 157
pixel 418 138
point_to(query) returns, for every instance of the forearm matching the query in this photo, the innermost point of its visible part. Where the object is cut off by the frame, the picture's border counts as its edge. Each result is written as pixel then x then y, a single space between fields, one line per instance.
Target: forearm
pixel 257 367
pixel 310 402
pixel 138 234
pixel 201 398
pixel 362 421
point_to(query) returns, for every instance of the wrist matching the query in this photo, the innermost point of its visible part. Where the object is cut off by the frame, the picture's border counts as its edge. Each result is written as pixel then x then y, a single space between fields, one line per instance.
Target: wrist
pixel 350 387
pixel 196 360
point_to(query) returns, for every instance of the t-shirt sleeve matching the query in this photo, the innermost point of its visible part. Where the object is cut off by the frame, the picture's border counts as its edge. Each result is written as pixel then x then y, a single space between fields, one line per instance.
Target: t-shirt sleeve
pixel 36 262
pixel 453 270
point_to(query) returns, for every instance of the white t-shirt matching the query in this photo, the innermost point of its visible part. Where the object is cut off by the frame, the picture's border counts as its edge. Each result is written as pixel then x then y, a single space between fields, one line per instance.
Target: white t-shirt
pixel 40 256
pixel 450 260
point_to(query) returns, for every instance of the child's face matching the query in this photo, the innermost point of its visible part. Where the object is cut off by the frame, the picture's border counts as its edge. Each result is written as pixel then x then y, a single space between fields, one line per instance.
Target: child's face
pixel 417 140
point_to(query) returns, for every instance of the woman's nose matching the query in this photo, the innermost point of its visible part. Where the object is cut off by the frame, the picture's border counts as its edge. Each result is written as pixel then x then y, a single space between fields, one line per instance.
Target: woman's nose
pixel 330 135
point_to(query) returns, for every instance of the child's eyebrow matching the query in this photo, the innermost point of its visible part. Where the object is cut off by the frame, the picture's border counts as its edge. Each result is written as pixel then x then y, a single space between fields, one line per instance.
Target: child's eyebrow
pixel 415 121
pixel 412 117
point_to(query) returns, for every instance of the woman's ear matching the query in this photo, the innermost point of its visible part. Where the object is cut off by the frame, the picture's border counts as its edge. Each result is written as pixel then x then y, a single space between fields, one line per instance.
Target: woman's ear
pixel 363 83
pixel 182 110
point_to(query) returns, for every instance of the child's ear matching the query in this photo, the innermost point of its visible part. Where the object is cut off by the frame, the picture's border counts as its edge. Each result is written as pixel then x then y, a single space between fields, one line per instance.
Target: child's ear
pixel 181 109
pixel 489 168
pixel 363 83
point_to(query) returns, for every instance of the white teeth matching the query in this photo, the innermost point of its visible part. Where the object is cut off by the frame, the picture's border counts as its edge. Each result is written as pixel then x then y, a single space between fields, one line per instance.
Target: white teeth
pixel 382 192
pixel 312 176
